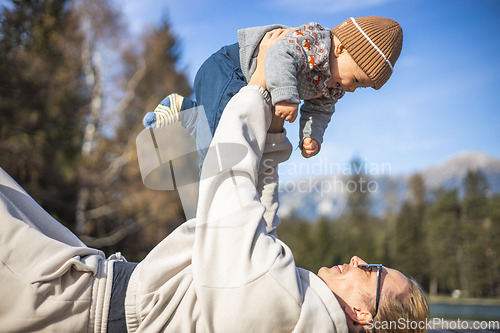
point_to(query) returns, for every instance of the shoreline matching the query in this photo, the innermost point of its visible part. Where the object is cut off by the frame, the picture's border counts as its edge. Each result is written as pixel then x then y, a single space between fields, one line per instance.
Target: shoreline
pixel 441 299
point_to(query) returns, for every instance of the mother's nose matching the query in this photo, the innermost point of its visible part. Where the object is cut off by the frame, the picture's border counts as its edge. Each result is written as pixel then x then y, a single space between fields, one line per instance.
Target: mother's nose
pixel 357 261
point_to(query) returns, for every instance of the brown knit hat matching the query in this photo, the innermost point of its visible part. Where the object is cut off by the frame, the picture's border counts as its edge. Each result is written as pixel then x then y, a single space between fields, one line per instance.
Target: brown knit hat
pixel 374 43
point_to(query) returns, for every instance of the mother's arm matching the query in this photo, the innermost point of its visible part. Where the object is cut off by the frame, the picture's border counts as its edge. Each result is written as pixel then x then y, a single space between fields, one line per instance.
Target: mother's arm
pixel 259 77
pixel 240 272
pixel 277 149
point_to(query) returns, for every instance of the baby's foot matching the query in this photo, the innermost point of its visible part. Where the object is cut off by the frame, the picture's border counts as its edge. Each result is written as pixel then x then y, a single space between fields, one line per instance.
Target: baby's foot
pixel 166 113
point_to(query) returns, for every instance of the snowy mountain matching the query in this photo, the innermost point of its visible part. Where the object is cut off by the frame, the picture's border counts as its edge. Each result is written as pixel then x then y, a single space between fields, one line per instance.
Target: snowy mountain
pixel 327 196
pixel 452 173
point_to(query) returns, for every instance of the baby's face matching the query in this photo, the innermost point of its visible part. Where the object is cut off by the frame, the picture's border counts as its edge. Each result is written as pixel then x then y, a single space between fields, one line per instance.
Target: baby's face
pixel 346 74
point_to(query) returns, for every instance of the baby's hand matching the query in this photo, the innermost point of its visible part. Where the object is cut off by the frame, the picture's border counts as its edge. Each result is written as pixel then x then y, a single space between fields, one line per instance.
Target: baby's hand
pixel 309 147
pixel 286 110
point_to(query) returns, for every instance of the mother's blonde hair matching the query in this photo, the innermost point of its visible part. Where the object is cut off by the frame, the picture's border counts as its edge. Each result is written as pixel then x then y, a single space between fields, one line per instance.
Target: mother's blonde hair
pixel 407 312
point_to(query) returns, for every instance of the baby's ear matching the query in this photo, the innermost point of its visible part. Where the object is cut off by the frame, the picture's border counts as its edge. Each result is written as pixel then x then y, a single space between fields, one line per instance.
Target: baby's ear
pixel 339 49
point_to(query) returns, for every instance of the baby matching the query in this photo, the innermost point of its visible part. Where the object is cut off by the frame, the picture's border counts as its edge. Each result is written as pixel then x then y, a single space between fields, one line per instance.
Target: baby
pixel 311 63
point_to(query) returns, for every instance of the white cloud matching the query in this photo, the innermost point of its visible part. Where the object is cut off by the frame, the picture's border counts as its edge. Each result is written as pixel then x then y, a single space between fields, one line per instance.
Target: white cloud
pixel 332 6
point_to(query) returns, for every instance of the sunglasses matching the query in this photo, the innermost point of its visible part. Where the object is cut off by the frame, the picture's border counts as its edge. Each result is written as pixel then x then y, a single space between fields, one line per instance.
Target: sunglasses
pixel 370 268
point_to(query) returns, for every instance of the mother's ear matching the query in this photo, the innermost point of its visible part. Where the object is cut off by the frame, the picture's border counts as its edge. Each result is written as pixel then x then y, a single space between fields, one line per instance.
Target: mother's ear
pixel 359 315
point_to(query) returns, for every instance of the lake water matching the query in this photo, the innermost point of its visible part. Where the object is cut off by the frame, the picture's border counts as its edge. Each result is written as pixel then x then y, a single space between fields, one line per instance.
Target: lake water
pixel 465 312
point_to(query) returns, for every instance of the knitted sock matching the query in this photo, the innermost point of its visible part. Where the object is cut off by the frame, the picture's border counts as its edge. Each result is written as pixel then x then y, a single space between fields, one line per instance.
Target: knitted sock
pixel 167 112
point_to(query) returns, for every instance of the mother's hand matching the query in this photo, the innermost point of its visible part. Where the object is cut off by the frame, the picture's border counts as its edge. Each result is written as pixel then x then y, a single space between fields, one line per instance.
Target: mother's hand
pixel 270 38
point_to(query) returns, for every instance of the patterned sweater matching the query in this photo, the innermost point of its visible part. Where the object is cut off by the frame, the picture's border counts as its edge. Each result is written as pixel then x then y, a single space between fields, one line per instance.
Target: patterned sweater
pixel 297 68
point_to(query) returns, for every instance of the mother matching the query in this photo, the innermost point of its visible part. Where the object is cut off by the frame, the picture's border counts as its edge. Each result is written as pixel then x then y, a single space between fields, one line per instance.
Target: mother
pixel 220 272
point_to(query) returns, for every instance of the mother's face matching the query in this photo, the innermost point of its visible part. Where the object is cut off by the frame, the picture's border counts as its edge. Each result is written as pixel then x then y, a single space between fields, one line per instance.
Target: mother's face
pixel 351 284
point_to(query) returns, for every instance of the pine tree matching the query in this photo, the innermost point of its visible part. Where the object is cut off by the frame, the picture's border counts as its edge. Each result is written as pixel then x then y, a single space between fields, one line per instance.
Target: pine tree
pixel 66 138
pixel 411 251
pixel 493 245
pixel 443 241
pixel 326 252
pixel 121 213
pixel 475 236
pixel 297 234
pixel 42 101
pixel 358 228
pixel 476 195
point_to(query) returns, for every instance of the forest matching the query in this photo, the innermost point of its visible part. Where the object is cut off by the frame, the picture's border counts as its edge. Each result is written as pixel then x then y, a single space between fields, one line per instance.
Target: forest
pixel 445 240
pixel 74 87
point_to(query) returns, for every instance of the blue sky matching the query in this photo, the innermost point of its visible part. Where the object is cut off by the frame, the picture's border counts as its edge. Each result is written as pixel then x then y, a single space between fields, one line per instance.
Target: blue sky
pixel 441 99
